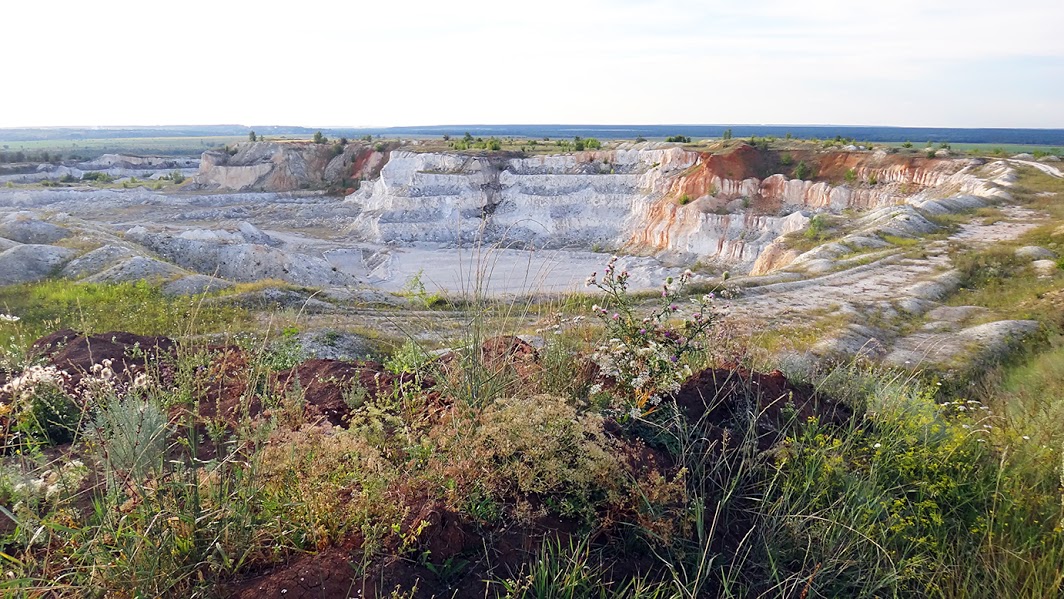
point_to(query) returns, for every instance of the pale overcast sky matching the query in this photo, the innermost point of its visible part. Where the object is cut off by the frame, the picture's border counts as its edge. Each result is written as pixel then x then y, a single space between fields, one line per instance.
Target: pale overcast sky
pixel 951 63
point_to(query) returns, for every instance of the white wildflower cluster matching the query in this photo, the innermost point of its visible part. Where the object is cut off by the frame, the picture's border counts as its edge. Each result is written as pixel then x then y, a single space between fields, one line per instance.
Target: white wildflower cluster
pixel 643 356
pixel 17 395
pixel 49 483
pixel 647 372
pixel 975 416
pixel 9 318
pixel 101 383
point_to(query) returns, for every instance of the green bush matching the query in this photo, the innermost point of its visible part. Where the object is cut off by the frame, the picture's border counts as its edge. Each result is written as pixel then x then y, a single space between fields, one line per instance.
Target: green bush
pixel 990 266
pixel 803 171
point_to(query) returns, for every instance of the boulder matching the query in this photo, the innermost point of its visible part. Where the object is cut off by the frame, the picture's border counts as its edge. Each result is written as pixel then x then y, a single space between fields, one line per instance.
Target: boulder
pixel 25 227
pixel 137 268
pixel 31 262
pixel 96 261
pixel 1045 267
pixel 333 344
pixel 1034 252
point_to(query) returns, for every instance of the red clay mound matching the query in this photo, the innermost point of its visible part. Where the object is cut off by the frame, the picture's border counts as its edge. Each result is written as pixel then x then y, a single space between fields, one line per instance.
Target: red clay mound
pixel 330 573
pixel 324 383
pixel 729 399
pixel 509 350
pixel 222 386
pixel 129 354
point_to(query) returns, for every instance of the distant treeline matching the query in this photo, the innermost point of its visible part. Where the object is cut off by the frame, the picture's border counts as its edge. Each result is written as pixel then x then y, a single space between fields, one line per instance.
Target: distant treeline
pixel 7 157
pixel 1049 137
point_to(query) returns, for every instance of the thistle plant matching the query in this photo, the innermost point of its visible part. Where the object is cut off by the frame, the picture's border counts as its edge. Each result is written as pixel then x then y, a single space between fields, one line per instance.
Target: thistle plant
pixel 643 357
pixel 36 409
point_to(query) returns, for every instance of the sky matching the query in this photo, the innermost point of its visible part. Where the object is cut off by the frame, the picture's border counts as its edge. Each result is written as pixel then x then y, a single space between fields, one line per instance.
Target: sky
pixel 940 63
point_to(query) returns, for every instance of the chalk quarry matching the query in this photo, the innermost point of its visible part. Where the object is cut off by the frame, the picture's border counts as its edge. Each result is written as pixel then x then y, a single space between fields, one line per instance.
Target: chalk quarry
pixel 368 220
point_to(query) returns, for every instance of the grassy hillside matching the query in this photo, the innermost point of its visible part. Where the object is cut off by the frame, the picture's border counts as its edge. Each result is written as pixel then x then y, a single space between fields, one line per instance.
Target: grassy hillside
pixel 622 457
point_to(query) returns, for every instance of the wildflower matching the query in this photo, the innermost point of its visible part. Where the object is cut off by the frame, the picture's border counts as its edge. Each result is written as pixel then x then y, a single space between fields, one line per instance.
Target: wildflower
pixel 9 318
pixel 877 446
pixel 591 280
pixel 1026 438
pixel 674 307
pixel 595 308
pixel 616 316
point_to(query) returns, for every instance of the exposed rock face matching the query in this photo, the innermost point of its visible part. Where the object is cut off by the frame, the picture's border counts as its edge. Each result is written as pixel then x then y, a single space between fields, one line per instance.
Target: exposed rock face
pixel 273 166
pixel 547 201
pixel 646 199
pixel 128 161
pixel 240 261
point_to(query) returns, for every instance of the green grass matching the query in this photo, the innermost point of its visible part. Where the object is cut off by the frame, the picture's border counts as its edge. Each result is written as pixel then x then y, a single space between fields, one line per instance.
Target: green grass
pixel 139 308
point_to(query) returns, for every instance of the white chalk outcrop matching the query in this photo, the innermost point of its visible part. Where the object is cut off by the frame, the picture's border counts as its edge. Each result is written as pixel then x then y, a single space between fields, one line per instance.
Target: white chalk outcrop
pixel 645 199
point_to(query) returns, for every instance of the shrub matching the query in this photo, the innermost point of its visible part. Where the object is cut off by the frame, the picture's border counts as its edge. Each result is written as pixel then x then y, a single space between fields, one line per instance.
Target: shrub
pixel 991 266
pixel 817 229
pixel 133 434
pixel 682 139
pixel 39 409
pixel 645 358
pixel 851 176
pixel 803 171
pixel 541 445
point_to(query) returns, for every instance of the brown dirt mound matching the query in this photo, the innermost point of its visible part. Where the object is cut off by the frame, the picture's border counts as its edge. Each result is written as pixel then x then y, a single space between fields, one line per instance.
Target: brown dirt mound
pixel 729 399
pixel 330 573
pixel 76 354
pixel 508 350
pixel 325 382
pixel 222 386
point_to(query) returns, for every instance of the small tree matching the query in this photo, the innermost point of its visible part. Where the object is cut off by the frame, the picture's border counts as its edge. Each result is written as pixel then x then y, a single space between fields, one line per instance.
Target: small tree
pixel 727 134
pixel 319 138
pixel 802 171
pixel 252 136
